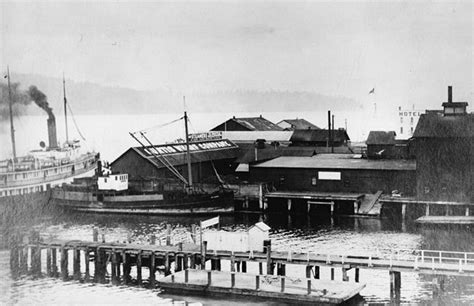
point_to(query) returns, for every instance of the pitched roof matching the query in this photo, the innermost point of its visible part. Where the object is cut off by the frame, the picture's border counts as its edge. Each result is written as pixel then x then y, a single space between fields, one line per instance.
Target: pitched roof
pixel 381 138
pixel 340 135
pixel 255 124
pixel 176 153
pixel 337 161
pixel 300 124
pixel 435 125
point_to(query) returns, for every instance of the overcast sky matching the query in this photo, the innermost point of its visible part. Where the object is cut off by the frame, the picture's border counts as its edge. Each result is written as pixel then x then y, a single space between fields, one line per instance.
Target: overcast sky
pixel 408 52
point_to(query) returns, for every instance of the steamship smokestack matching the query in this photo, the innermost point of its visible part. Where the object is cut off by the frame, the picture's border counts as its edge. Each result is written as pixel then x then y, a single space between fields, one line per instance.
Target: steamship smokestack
pixel 450 94
pixel 42 101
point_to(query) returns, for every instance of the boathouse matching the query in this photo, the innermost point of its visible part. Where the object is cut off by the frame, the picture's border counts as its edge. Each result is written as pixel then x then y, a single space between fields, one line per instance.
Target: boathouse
pixel 337 173
pixel 247 124
pixel 445 153
pixel 207 158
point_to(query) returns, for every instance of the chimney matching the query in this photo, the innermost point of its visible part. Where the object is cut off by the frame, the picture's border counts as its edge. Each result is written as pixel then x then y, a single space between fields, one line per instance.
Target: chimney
pixel 450 94
pixel 454 108
pixel 53 141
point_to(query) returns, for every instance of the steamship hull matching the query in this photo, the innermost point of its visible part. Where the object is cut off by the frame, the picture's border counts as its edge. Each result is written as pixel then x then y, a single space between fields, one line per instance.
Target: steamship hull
pixel 148 204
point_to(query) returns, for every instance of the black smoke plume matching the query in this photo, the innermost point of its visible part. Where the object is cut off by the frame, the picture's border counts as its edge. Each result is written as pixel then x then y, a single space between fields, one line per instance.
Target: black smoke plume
pixel 41 100
pixel 19 100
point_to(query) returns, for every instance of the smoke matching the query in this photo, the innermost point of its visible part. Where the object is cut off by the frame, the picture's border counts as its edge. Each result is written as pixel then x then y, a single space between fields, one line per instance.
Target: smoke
pixel 41 100
pixel 20 99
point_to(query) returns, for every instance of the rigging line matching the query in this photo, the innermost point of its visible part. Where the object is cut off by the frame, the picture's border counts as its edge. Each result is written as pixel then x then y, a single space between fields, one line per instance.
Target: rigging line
pixel 169 166
pixel 75 123
pixel 156 157
pixel 160 125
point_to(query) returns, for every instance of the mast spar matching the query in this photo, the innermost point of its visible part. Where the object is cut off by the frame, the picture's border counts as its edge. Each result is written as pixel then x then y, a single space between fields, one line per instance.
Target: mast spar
pixel 10 106
pixel 65 109
pixel 188 154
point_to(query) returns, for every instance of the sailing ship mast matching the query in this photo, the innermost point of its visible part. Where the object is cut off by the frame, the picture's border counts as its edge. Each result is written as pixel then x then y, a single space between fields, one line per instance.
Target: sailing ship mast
pixel 65 109
pixel 188 154
pixel 10 106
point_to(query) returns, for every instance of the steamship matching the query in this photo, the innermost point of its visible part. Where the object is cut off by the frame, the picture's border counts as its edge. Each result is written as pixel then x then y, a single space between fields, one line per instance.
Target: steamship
pixel 30 177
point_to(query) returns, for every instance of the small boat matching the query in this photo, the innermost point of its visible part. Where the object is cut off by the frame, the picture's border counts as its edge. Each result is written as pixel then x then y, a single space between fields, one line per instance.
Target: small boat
pixel 110 192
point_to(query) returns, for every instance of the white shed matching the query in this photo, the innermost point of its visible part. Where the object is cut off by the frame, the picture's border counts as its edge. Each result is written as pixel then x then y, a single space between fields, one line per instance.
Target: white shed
pixel 257 234
pixel 239 241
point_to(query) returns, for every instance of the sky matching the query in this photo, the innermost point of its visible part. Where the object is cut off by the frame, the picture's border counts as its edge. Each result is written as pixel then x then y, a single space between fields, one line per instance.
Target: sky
pixel 409 52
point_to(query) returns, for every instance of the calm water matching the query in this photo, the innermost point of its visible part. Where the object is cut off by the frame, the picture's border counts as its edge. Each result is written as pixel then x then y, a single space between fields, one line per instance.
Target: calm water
pixel 288 233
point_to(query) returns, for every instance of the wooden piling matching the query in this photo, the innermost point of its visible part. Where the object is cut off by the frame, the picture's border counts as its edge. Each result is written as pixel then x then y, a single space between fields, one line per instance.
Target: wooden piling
pixel 49 272
pixel 332 273
pixel 395 284
pixel 186 276
pixel 316 272
pixel 95 234
pixel 203 255
pixel 87 273
pixel 167 264
pixel 152 270
pixel 345 277
pixel 168 234
pixel 54 263
pixel 126 267
pixel 23 260
pixel 282 281
pixel 209 278
pixel 257 282
pixel 308 271
pixel 308 286
pixel 260 268
pixel 64 263
pixel 244 267
pixel 232 263
pixel 152 239
pixel 113 268
pixel 76 255
pixel 185 261
pixel 139 268
pixel 356 277
pixel 268 249
pixel 232 280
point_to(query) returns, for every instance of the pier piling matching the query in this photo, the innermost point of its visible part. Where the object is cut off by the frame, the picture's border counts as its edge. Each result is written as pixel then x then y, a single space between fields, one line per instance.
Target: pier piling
pixel 139 268
pixel 64 263
pixel 395 284
pixel 76 263
pixel 87 274
pixel 152 270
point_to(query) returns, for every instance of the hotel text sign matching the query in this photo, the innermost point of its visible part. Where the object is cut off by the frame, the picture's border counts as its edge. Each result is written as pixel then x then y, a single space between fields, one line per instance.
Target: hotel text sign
pixel 409 113
pixel 181 147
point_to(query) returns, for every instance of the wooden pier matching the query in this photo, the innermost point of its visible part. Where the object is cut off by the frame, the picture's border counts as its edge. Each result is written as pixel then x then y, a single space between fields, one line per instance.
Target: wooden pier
pixel 137 264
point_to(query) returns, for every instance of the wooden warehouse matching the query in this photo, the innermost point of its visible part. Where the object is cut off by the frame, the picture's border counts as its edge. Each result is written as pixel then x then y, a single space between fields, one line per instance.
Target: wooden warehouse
pixel 445 153
pixel 337 173
pixel 149 162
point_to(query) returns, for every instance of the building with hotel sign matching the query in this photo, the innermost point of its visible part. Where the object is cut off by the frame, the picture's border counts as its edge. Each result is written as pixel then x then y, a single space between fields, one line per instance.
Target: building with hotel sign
pixel 407 121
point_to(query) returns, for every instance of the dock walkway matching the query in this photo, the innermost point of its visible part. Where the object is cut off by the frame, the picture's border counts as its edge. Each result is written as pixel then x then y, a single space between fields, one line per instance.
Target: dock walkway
pixel 275 287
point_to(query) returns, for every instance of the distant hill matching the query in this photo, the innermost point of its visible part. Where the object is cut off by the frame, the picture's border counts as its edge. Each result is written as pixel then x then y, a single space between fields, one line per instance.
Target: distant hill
pixel 90 98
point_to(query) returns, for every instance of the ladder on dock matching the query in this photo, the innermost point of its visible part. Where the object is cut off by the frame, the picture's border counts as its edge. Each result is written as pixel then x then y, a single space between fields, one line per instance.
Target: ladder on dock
pixel 369 202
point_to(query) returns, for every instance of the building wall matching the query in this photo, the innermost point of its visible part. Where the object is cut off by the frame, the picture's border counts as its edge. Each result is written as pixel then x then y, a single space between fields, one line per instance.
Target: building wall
pixel 354 181
pixel 445 169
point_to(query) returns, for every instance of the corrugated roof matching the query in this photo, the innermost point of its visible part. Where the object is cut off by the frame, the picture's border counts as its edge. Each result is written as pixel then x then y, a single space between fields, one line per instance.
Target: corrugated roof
pixel 325 161
pixel 340 135
pixel 436 125
pixel 381 138
pixel 258 124
pixel 200 152
pixel 300 124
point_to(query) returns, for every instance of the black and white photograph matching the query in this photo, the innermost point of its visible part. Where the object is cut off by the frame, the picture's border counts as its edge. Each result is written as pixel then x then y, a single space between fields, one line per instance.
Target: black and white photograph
pixel 236 152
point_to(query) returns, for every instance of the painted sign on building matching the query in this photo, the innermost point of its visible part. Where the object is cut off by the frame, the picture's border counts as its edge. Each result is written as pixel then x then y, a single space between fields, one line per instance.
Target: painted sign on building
pixel 181 147
pixel 408 119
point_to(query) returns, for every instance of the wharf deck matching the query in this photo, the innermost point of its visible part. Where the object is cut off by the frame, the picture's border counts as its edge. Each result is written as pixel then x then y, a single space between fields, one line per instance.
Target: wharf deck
pixel 412 200
pixel 267 286
pixel 421 261
pixel 308 195
pixel 446 220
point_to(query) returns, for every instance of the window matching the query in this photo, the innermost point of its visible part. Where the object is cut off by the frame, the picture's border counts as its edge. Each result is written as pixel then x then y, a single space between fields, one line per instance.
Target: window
pixel 328 175
pixel 314 181
pixel 105 180
pixel 411 120
pixel 411 130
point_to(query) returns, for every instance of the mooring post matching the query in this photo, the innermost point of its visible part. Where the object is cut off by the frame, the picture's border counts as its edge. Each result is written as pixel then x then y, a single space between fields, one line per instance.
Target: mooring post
pixel 203 255
pixel 356 277
pixel 64 263
pixel 87 273
pixel 232 279
pixel 152 269
pixel 168 234
pixel 95 234
pixel 139 267
pixel 267 244
pixel 76 255
pixel 209 278
pixel 395 284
